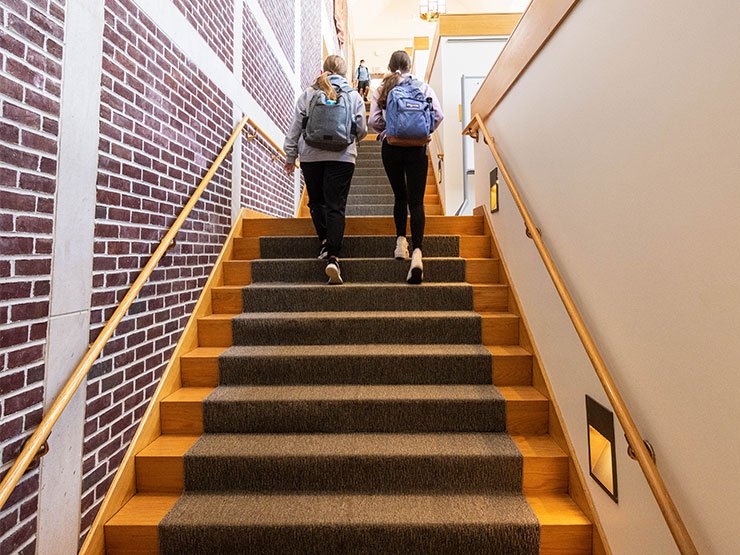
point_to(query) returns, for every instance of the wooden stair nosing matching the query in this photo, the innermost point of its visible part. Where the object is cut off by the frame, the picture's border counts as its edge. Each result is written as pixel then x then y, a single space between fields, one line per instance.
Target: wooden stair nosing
pixel 159 467
pixel 527 410
pixel 363 225
pixel 564 529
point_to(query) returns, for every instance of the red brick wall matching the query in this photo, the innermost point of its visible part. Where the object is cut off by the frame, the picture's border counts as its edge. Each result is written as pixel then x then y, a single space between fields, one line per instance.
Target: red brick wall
pixel 162 124
pixel 281 15
pixel 31 38
pixel 214 20
pixel 266 187
pixel 310 41
pixel 263 76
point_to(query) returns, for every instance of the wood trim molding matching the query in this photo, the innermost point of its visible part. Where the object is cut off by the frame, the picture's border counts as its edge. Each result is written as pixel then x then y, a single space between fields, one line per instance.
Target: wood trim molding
pixel 577 487
pixel 470 25
pixel 123 486
pixel 537 25
pixel 421 43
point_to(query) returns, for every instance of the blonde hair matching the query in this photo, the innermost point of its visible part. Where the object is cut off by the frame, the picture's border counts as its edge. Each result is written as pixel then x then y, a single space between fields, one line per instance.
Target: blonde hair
pixel 333 65
pixel 399 64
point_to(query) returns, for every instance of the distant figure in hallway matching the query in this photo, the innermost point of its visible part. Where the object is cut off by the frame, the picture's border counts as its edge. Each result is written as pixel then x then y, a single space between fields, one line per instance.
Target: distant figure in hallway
pixel 362 78
pixel 405 112
pixel 328 121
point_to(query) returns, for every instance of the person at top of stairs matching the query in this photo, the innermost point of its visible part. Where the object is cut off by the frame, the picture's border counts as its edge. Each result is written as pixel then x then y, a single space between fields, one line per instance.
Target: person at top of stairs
pixel 405 112
pixel 362 79
pixel 328 121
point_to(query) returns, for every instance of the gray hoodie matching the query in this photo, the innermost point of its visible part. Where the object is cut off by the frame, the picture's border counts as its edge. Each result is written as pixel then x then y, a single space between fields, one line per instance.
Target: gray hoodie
pixel 296 147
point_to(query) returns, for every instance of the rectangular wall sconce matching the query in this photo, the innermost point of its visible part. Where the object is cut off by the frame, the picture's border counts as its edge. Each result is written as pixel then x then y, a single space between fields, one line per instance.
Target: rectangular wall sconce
pixel 602 456
pixel 494 190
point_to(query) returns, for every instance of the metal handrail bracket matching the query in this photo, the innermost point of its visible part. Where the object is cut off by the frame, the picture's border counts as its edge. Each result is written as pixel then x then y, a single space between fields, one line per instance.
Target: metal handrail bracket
pixel 642 454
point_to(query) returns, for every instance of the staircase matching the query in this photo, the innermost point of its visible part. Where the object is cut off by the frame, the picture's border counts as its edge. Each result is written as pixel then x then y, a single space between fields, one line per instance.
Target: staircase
pixel 370 193
pixel 362 418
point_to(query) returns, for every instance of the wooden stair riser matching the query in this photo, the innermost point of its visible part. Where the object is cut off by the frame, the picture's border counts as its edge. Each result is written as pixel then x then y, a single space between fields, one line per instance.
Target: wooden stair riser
pixel 507 370
pixel 471 246
pixel 215 330
pixel 510 368
pixel 227 299
pixel 184 414
pixel 490 298
pixel 564 530
pixel 481 270
pixel 500 329
pixel 435 225
pixel 237 272
pixel 159 468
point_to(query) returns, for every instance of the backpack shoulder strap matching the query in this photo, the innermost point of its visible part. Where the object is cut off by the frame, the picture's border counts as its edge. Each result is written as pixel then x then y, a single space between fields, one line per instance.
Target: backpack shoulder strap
pixel 346 88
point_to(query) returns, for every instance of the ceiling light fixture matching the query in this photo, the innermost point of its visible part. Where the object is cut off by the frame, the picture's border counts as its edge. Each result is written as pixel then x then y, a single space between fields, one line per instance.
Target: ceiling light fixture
pixel 430 10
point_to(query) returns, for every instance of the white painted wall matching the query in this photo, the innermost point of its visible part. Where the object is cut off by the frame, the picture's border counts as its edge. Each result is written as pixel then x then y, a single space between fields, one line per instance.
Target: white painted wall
pixel 458 56
pixel 623 136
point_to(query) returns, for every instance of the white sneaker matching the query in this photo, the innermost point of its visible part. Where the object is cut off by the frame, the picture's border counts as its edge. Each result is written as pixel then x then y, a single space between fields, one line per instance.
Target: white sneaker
pixel 332 271
pixel 402 249
pixel 416 272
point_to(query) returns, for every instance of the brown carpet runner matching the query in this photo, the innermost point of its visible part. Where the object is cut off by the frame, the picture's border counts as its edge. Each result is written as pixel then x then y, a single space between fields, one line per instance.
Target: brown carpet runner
pixel 357 419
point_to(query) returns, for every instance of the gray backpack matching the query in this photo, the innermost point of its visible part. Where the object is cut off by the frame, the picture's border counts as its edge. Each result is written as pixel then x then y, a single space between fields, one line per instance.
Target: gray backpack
pixel 330 125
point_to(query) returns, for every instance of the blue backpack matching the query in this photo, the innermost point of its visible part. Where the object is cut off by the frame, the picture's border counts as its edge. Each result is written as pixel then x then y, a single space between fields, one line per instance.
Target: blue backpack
pixel 409 117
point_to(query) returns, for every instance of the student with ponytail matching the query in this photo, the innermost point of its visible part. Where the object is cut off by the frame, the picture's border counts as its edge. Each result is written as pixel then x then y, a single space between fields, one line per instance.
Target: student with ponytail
pixel 405 118
pixel 328 121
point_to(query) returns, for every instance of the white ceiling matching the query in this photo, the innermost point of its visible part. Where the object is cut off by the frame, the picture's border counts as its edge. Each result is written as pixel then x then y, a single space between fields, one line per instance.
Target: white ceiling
pixel 399 19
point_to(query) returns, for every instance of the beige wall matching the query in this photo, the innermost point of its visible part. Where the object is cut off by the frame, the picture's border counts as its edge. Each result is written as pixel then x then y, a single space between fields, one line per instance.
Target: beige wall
pixel 624 136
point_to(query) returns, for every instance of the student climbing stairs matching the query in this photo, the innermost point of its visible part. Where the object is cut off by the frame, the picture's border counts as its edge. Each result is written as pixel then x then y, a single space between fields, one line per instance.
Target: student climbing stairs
pixel 371 193
pixel 372 417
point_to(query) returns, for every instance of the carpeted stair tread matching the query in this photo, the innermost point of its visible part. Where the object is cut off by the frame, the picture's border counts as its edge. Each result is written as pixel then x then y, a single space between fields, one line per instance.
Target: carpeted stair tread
pixel 361 462
pixel 355 246
pixel 281 297
pixel 382 189
pixel 364 171
pixel 349 524
pixel 359 445
pixel 356 364
pixel 464 392
pixel 370 210
pixel 370 180
pixel 358 199
pixel 354 408
pixel 356 270
pixel 362 327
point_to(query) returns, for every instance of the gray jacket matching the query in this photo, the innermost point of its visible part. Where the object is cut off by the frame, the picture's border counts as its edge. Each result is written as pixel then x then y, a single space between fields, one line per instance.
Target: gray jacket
pixel 296 147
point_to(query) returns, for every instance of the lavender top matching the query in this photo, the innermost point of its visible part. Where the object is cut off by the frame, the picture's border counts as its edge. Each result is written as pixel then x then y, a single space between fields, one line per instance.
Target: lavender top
pixel 377 114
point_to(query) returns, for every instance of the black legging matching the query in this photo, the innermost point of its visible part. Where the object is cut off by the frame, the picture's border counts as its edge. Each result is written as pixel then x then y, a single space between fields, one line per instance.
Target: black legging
pixel 327 184
pixel 406 167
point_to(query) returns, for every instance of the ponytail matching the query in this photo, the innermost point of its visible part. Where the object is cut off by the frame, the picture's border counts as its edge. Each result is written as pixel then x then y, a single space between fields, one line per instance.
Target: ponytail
pixel 325 85
pixel 333 65
pixel 388 83
pixel 399 64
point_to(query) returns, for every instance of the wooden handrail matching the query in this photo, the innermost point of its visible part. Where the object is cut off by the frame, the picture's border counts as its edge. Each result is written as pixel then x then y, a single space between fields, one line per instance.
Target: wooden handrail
pixel 40 435
pixel 655 481
pixel 437 147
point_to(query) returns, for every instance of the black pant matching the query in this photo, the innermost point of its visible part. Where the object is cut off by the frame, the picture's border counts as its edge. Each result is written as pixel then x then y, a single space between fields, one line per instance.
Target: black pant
pixel 327 184
pixel 406 167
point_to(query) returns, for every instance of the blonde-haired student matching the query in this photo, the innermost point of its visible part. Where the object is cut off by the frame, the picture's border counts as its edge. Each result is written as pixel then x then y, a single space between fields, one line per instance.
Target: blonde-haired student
pixel 328 121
